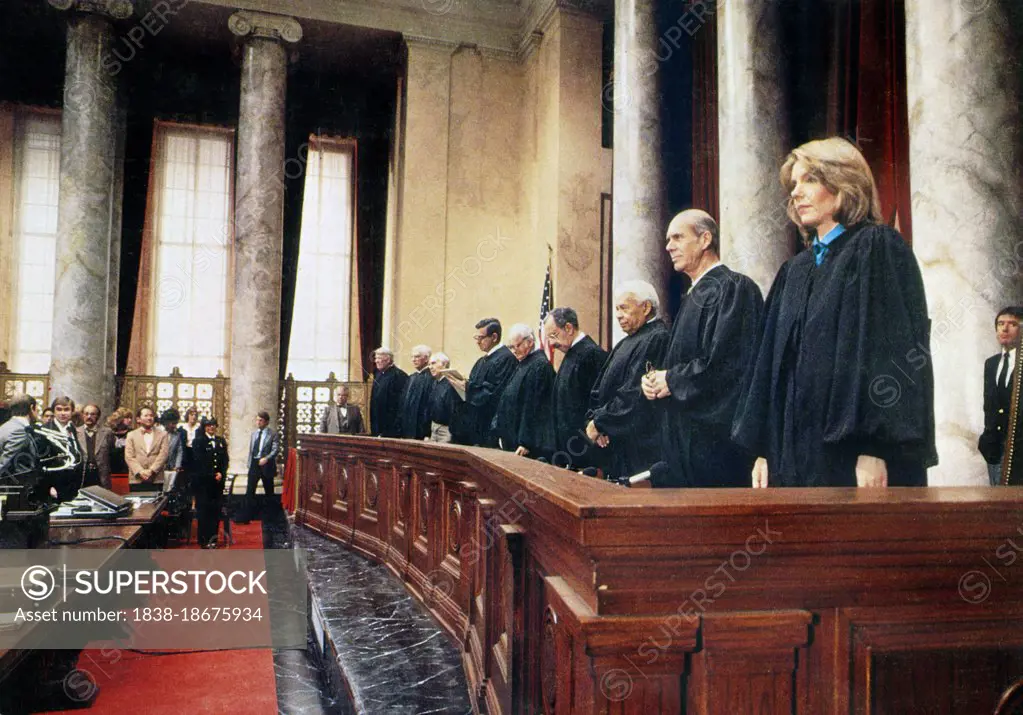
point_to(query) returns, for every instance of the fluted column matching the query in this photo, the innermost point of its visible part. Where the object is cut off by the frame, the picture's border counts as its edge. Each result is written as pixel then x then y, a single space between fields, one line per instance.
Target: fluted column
pixel 753 138
pixel 259 224
pixel 89 208
pixel 638 190
pixel 966 160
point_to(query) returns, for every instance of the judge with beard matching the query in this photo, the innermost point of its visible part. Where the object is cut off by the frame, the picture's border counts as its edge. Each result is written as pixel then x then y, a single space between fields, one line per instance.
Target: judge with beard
pixel 385 400
pixel 620 417
pixel 712 342
pixel 415 408
pixel 485 384
pixel 522 423
pixel 571 397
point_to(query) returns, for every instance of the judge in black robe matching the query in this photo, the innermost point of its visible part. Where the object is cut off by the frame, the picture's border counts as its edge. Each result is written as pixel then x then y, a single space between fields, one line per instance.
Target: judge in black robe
pixel 445 404
pixel 415 409
pixel 620 417
pixel 571 395
pixel 712 342
pixel 841 390
pixel 522 423
pixel 385 399
pixel 485 384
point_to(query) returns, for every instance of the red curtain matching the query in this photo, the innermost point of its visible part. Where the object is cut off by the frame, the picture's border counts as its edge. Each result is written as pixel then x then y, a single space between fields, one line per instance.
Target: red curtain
pixel 868 97
pixel 705 118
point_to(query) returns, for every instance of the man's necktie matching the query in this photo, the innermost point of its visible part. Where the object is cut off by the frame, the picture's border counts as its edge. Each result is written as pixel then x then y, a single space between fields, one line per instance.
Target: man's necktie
pixel 1003 373
pixel 255 447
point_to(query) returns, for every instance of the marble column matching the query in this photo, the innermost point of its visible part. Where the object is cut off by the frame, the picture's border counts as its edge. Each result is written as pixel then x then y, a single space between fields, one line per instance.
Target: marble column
pixel 639 216
pixel 84 344
pixel 259 225
pixel 753 139
pixel 966 161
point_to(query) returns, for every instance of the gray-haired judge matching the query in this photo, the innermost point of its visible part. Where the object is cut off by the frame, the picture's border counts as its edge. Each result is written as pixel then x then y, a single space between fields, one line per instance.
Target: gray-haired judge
pixel 415 409
pixel 445 403
pixel 523 420
pixel 340 417
pixel 620 419
pixel 389 383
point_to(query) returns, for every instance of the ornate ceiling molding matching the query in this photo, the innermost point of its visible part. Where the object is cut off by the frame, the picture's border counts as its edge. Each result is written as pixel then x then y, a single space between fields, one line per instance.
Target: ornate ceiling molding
pixel 260 24
pixel 116 9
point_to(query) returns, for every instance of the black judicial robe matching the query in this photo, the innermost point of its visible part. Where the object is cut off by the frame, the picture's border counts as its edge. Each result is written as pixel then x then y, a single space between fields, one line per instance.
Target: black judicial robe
pixel 618 407
pixel 445 404
pixel 843 366
pixel 572 385
pixel 523 413
pixel 712 342
pixel 482 393
pixel 385 402
pixel 415 410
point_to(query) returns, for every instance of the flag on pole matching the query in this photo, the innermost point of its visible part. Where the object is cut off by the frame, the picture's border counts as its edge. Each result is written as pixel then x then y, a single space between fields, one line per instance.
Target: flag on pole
pixel 546 301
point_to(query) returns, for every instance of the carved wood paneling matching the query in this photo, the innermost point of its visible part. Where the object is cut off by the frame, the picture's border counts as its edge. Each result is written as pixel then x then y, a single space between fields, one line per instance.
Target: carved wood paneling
pixel 569 595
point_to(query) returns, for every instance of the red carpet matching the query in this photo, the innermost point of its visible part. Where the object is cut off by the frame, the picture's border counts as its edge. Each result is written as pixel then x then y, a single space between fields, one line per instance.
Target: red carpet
pixel 215 682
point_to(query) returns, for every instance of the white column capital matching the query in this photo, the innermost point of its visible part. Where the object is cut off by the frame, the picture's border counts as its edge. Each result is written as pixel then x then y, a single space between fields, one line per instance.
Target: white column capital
pixel 261 24
pixel 115 9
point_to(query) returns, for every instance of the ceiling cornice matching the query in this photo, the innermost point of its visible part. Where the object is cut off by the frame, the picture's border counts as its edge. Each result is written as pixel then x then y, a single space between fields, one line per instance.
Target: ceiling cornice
pixel 505 29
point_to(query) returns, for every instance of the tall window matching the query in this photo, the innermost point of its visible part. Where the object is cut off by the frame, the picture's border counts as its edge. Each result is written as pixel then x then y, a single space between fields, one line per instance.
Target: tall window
pixel 321 317
pixel 36 172
pixel 190 219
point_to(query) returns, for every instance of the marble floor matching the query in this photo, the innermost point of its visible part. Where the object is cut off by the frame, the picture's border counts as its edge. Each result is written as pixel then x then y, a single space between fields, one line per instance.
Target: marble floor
pixel 387 652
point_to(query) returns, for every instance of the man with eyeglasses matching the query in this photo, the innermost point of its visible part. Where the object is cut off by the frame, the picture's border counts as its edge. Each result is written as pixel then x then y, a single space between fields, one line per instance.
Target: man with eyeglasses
pixel 485 384
pixel 523 421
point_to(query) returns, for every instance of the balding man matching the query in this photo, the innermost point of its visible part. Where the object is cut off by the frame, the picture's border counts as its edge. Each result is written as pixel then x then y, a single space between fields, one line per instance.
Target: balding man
pixel 621 420
pixel 572 385
pixel 712 342
pixel 385 400
pixel 415 408
pixel 522 423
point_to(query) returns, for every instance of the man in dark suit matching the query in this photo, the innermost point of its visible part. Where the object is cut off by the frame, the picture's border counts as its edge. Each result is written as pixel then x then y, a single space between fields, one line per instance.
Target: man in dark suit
pixel 385 400
pixel 95 441
pixel 67 481
pixel 342 418
pixel 712 341
pixel 264 446
pixel 998 371
pixel 571 397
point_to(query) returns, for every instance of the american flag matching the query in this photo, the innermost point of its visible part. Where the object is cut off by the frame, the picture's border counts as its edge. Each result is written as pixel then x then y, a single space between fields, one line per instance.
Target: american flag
pixel 545 306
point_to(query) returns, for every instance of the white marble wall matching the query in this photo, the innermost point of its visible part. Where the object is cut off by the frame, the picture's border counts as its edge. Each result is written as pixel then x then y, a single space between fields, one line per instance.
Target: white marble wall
pixel 753 138
pixel 965 167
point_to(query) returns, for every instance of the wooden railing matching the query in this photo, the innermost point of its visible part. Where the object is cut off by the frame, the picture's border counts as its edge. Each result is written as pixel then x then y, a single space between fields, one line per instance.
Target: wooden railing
pixel 11 382
pixel 208 395
pixel 571 595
